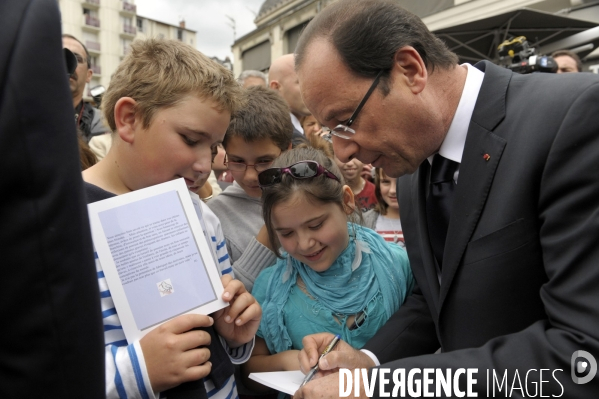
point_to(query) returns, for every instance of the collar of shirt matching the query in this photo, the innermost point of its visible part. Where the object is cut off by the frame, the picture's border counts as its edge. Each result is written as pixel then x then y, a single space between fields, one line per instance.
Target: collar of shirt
pixel 455 140
pixel 296 123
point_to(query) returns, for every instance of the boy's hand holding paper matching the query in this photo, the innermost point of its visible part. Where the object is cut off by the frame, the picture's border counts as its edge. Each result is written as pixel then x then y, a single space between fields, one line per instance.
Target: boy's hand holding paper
pixel 238 322
pixel 175 353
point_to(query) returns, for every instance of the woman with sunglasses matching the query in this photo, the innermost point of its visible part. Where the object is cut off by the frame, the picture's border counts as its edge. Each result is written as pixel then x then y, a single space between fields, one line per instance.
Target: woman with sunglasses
pixel 332 276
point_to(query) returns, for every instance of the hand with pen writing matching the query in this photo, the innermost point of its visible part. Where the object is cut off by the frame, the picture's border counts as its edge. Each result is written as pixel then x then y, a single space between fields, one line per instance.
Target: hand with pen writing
pixel 326 382
pixel 238 322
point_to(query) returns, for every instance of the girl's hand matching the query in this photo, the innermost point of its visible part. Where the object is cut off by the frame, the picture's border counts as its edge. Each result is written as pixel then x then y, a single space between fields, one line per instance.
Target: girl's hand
pixel 238 322
pixel 289 360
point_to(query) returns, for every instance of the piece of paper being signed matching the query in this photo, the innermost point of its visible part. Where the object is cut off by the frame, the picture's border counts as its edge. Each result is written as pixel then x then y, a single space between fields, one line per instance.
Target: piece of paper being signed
pixel 283 381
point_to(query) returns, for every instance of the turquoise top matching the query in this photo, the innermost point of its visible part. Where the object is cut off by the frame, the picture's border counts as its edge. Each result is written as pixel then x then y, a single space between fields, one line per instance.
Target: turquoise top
pixel 370 276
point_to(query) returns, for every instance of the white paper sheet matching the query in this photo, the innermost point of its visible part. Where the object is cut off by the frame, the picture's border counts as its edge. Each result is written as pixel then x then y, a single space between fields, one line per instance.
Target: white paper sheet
pixel 155 257
pixel 283 381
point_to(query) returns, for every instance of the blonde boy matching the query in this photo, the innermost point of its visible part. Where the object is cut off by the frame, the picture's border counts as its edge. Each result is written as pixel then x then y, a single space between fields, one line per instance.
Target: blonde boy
pixel 169 107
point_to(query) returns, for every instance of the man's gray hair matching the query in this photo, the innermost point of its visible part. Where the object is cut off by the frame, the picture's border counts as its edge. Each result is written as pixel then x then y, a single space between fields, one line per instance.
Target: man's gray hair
pixel 252 73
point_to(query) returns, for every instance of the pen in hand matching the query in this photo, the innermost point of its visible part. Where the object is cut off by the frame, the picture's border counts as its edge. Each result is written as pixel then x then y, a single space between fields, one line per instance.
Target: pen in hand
pixel 314 369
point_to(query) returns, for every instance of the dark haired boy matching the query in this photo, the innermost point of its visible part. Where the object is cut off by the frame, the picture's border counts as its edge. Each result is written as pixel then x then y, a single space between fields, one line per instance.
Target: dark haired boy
pixel 258 133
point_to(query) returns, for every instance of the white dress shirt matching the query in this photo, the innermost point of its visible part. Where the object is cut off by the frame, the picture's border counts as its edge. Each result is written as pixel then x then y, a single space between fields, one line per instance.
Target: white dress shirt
pixel 296 123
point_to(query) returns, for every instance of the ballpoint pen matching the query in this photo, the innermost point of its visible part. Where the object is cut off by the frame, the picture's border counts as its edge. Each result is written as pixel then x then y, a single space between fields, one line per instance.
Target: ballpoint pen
pixel 314 369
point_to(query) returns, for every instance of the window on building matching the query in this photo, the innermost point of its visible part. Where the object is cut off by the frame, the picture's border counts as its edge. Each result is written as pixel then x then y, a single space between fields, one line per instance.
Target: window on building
pixel 180 35
pixel 257 57
pixel 293 35
pixel 140 24
pixel 91 13
pixel 125 46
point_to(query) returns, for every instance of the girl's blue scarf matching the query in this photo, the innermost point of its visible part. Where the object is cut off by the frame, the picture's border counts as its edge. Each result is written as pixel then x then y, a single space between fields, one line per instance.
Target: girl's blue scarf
pixel 367 266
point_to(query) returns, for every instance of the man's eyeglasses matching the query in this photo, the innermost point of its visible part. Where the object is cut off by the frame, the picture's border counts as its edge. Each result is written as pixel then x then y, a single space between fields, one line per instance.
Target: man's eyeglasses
pixel 299 170
pixel 242 167
pixel 343 130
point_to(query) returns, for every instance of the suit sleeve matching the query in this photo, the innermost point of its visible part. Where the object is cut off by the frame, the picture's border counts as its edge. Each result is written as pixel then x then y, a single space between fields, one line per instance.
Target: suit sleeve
pixel 52 343
pixel 568 211
pixel 409 332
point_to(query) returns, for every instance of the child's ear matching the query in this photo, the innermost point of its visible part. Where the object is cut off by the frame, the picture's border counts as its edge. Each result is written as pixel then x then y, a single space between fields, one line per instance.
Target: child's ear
pixel 125 118
pixel 290 146
pixel 349 203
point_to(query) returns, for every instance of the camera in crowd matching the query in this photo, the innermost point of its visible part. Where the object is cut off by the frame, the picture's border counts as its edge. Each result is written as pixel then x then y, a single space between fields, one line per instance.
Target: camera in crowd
pixel 517 55
pixel 70 60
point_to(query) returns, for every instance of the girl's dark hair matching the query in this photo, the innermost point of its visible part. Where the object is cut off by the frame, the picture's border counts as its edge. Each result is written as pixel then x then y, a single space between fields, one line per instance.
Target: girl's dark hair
pixel 381 206
pixel 320 189
pixel 86 155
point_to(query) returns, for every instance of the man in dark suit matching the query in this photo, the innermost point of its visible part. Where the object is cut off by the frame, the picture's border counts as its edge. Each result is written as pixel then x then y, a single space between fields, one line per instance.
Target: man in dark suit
pixel 51 337
pixel 501 229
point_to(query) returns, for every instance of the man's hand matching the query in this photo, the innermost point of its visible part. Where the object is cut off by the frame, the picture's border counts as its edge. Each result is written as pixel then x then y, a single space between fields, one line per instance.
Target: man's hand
pixel 342 356
pixel 326 387
pixel 326 382
pixel 238 322
pixel 171 351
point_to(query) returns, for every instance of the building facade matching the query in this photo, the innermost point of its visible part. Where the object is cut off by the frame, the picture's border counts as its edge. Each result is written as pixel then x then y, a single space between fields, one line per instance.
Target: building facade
pixel 279 22
pixel 108 27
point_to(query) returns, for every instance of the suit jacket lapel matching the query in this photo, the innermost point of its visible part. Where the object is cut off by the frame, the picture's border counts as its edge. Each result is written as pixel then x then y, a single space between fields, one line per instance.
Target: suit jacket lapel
pixel 482 153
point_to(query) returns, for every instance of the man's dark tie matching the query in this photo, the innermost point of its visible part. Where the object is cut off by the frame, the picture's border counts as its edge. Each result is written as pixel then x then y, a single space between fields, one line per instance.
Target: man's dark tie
pixel 438 203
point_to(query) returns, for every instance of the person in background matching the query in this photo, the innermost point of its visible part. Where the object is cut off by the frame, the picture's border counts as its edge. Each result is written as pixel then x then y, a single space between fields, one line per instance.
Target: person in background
pixel 567 61
pixel 362 188
pixel 259 132
pixel 384 218
pixel 86 155
pixel 87 117
pixel 223 176
pixel 310 125
pixel 283 79
pixel 167 123
pixel 251 78
pixel 331 273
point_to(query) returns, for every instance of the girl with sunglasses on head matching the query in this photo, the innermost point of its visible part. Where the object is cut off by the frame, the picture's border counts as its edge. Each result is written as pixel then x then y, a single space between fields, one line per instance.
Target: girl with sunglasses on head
pixel 332 276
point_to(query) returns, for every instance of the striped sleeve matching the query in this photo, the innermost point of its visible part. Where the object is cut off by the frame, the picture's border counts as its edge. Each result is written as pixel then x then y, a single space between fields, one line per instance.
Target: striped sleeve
pixel 217 239
pixel 126 373
pixel 240 354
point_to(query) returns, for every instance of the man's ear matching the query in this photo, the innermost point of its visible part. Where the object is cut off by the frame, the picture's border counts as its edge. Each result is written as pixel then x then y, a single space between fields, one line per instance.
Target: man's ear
pixel 274 84
pixel 349 204
pixel 125 118
pixel 88 78
pixel 409 67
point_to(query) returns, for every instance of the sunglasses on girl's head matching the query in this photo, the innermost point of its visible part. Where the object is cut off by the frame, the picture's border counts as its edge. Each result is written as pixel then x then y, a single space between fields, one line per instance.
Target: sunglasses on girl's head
pixel 299 170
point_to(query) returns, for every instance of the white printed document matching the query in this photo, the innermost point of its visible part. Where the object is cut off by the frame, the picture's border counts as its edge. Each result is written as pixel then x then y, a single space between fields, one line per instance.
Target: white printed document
pixel 283 381
pixel 156 260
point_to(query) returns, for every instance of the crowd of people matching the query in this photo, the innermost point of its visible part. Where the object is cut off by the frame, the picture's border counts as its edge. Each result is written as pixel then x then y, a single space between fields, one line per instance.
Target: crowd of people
pixel 489 262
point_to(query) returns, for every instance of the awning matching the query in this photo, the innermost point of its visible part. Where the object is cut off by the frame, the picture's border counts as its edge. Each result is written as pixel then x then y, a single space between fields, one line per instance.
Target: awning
pixel 478 40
